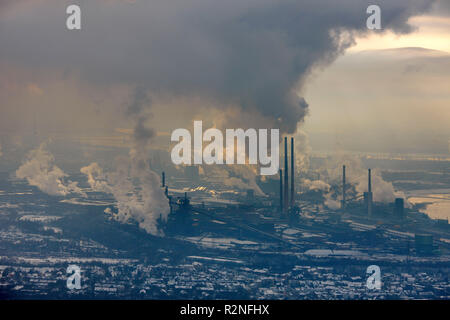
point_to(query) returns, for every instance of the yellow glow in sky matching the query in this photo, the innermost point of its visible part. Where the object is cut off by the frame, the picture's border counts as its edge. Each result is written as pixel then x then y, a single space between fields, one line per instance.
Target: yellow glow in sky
pixel 432 33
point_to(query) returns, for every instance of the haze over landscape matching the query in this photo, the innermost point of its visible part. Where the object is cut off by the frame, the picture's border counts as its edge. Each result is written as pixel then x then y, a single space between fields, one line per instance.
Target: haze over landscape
pixel 86 118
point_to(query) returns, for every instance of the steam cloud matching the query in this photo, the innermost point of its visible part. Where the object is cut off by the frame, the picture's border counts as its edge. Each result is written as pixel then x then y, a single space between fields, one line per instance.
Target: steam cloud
pixel 316 185
pixel 133 184
pixel 241 177
pixel 96 178
pixel 319 185
pixel 40 171
pixel 302 150
pixel 357 175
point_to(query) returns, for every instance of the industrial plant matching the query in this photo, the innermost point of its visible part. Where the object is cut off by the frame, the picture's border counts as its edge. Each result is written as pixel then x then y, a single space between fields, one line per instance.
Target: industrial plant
pixel 295 235
pixel 293 218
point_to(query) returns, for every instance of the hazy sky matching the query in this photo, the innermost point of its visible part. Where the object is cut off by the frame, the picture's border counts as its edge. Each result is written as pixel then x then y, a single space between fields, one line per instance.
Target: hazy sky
pixel 388 93
pixel 246 63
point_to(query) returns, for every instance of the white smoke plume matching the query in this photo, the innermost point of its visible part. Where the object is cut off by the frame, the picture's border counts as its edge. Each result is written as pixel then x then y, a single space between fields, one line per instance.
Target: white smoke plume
pixel 133 184
pixel 96 178
pixel 238 176
pixel 247 174
pixel 302 150
pixel 357 175
pixel 316 185
pixel 383 191
pixel 331 203
pixel 136 191
pixel 40 171
pixel 319 185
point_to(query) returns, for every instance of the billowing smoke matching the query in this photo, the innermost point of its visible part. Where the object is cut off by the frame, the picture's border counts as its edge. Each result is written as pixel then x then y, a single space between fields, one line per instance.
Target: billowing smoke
pixel 319 185
pixel 138 111
pixel 357 176
pixel 1 153
pixel 253 54
pixel 383 191
pixel 241 177
pixel 138 197
pixel 97 179
pixel 331 176
pixel 316 185
pixel 331 203
pixel 40 171
pixel 135 187
pixel 302 150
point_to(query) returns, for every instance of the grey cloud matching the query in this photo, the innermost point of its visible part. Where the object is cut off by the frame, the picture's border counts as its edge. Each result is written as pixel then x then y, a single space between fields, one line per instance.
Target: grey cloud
pixel 250 53
pixel 5 4
pixel 441 8
pixel 138 110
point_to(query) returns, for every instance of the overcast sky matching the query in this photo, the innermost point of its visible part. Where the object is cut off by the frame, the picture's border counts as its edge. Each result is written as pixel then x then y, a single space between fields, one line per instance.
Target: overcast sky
pixel 388 93
pixel 309 64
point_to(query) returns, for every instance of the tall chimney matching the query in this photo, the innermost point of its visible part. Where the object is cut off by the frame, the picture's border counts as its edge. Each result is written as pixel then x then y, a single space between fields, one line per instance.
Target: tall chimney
pixel 292 173
pixel 286 177
pixel 343 187
pixel 163 179
pixel 281 190
pixel 369 194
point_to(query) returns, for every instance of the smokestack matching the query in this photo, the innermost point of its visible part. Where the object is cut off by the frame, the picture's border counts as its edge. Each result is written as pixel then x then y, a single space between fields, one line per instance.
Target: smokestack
pixel 399 208
pixel 369 194
pixel 343 187
pixel 163 179
pixel 286 177
pixel 292 174
pixel 281 190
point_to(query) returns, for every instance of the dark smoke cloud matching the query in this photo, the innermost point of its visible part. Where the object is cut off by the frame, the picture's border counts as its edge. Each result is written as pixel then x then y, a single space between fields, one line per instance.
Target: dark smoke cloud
pixel 250 53
pixel 138 110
